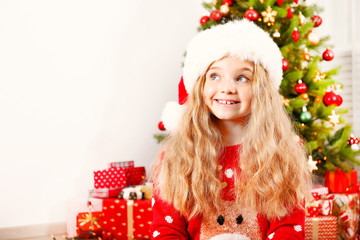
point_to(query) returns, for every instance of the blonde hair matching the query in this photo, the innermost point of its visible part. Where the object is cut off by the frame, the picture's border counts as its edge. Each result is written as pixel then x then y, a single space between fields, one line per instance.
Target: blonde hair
pixel 273 177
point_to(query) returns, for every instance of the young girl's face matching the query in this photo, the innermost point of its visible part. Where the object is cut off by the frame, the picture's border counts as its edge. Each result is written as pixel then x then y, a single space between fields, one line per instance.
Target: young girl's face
pixel 227 89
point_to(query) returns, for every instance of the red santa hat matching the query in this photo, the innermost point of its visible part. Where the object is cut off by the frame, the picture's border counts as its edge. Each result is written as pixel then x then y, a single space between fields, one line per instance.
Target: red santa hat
pixel 242 39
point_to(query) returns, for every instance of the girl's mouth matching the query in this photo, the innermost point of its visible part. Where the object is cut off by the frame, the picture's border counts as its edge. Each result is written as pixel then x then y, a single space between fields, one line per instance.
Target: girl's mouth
pixel 228 102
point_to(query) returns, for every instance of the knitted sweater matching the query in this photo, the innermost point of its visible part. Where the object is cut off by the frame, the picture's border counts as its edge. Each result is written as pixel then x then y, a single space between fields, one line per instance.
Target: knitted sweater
pixel 232 222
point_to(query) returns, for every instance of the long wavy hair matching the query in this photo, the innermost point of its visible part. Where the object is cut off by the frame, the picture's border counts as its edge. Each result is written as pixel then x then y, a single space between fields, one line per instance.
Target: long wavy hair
pixel 274 177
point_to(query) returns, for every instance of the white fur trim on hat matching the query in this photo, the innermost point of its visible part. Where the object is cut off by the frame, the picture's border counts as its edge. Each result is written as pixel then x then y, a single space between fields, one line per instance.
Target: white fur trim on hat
pixel 242 39
pixel 171 115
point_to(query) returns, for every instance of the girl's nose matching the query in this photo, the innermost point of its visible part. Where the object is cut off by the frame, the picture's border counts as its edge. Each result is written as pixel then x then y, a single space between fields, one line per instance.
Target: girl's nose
pixel 228 86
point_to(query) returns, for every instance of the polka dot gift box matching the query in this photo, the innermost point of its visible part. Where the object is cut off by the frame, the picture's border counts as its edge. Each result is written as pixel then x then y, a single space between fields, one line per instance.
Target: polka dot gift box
pixel 119 177
pixel 110 178
pixel 126 219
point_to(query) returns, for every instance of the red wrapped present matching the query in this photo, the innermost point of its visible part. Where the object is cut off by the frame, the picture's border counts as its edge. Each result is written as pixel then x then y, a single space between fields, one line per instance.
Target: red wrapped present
pixel 122 164
pixel 110 178
pixel 126 219
pixel 76 206
pixel 135 175
pixel 105 192
pixel 89 223
pixel 119 177
pixel 313 211
pixel 321 228
pixel 341 182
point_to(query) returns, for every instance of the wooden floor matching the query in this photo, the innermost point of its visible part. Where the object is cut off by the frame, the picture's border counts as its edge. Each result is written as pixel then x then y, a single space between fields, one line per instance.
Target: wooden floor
pixel 34 232
pixel 58 237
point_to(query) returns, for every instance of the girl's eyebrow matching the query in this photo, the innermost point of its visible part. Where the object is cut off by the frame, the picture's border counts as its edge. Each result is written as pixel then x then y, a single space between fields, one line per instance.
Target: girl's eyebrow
pixel 246 69
pixel 215 67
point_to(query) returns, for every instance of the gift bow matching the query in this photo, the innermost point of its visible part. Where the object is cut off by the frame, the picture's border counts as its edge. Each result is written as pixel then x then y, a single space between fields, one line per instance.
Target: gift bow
pixel 89 218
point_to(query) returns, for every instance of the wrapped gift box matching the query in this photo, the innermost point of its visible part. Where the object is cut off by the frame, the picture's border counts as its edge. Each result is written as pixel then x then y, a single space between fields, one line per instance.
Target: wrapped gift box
pixel 105 192
pixel 135 175
pixel 321 228
pixel 341 182
pixel 119 177
pixel 76 206
pixel 126 219
pixel 122 164
pixel 346 208
pixel 89 223
pixel 110 178
pixel 319 190
pixel 317 206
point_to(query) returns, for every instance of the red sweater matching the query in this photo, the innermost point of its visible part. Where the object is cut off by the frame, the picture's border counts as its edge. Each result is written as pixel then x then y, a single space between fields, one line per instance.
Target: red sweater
pixel 232 222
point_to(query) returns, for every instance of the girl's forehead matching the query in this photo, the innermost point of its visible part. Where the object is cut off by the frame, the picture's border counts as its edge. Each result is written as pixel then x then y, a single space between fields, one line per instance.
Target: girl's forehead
pixel 233 61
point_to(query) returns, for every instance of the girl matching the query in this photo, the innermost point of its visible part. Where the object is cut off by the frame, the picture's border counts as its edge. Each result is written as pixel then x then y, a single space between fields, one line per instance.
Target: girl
pixel 231 167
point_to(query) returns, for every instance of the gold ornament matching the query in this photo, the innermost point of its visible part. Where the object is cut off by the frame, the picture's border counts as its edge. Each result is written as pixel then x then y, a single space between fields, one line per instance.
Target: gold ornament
pixel 302 19
pixel 285 101
pixel 318 99
pixel 261 1
pixel 314 39
pixel 306 54
pixel 276 34
pixel 224 9
pixel 269 15
pixel 305 96
pixel 319 77
pixel 333 118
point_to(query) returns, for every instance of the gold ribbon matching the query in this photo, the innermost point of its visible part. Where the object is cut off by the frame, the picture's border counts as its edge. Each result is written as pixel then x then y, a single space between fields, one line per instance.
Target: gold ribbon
pixel 130 218
pixel 315 228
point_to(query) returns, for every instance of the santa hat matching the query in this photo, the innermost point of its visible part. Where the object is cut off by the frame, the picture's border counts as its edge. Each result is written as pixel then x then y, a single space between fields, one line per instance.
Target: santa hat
pixel 242 39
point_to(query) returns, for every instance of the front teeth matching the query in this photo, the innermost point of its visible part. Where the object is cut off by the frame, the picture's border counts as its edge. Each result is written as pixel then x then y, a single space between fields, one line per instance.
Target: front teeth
pixel 226 102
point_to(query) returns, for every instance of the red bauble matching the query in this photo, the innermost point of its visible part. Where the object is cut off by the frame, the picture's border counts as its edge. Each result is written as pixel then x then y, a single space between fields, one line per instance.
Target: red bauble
pixel 289 13
pixel 228 2
pixel 300 87
pixel 339 100
pixel 161 126
pixel 317 20
pixel 285 64
pixel 296 1
pixel 279 2
pixel 251 14
pixel 295 35
pixel 204 20
pixel 328 55
pixel 332 98
pixel 215 15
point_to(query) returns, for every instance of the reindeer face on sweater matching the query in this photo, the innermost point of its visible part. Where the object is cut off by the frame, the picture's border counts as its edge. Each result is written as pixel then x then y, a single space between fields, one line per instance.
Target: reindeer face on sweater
pixel 231 223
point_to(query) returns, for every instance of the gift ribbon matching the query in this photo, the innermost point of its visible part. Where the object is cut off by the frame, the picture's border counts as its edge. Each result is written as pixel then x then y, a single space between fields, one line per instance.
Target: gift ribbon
pixel 130 218
pixel 315 229
pixel 89 218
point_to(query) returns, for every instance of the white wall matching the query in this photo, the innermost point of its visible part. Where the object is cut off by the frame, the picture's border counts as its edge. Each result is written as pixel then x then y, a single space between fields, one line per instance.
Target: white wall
pixel 82 83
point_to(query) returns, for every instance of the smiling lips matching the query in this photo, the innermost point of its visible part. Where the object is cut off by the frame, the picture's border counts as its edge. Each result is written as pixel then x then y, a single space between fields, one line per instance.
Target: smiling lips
pixel 227 102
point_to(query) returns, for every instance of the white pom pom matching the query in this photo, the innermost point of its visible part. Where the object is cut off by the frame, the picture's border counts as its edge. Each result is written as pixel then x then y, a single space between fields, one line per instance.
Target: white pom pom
pixel 171 115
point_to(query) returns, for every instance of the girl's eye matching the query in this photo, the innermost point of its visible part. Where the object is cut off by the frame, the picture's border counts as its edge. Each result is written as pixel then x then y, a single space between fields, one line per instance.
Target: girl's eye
pixel 214 77
pixel 242 79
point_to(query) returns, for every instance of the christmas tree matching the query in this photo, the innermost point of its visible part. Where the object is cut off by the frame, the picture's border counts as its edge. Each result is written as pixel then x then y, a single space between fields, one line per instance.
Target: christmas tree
pixel 311 97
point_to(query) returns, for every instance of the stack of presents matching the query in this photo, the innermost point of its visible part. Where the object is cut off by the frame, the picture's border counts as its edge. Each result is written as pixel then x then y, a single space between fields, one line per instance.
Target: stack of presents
pixel 118 207
pixel 333 212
